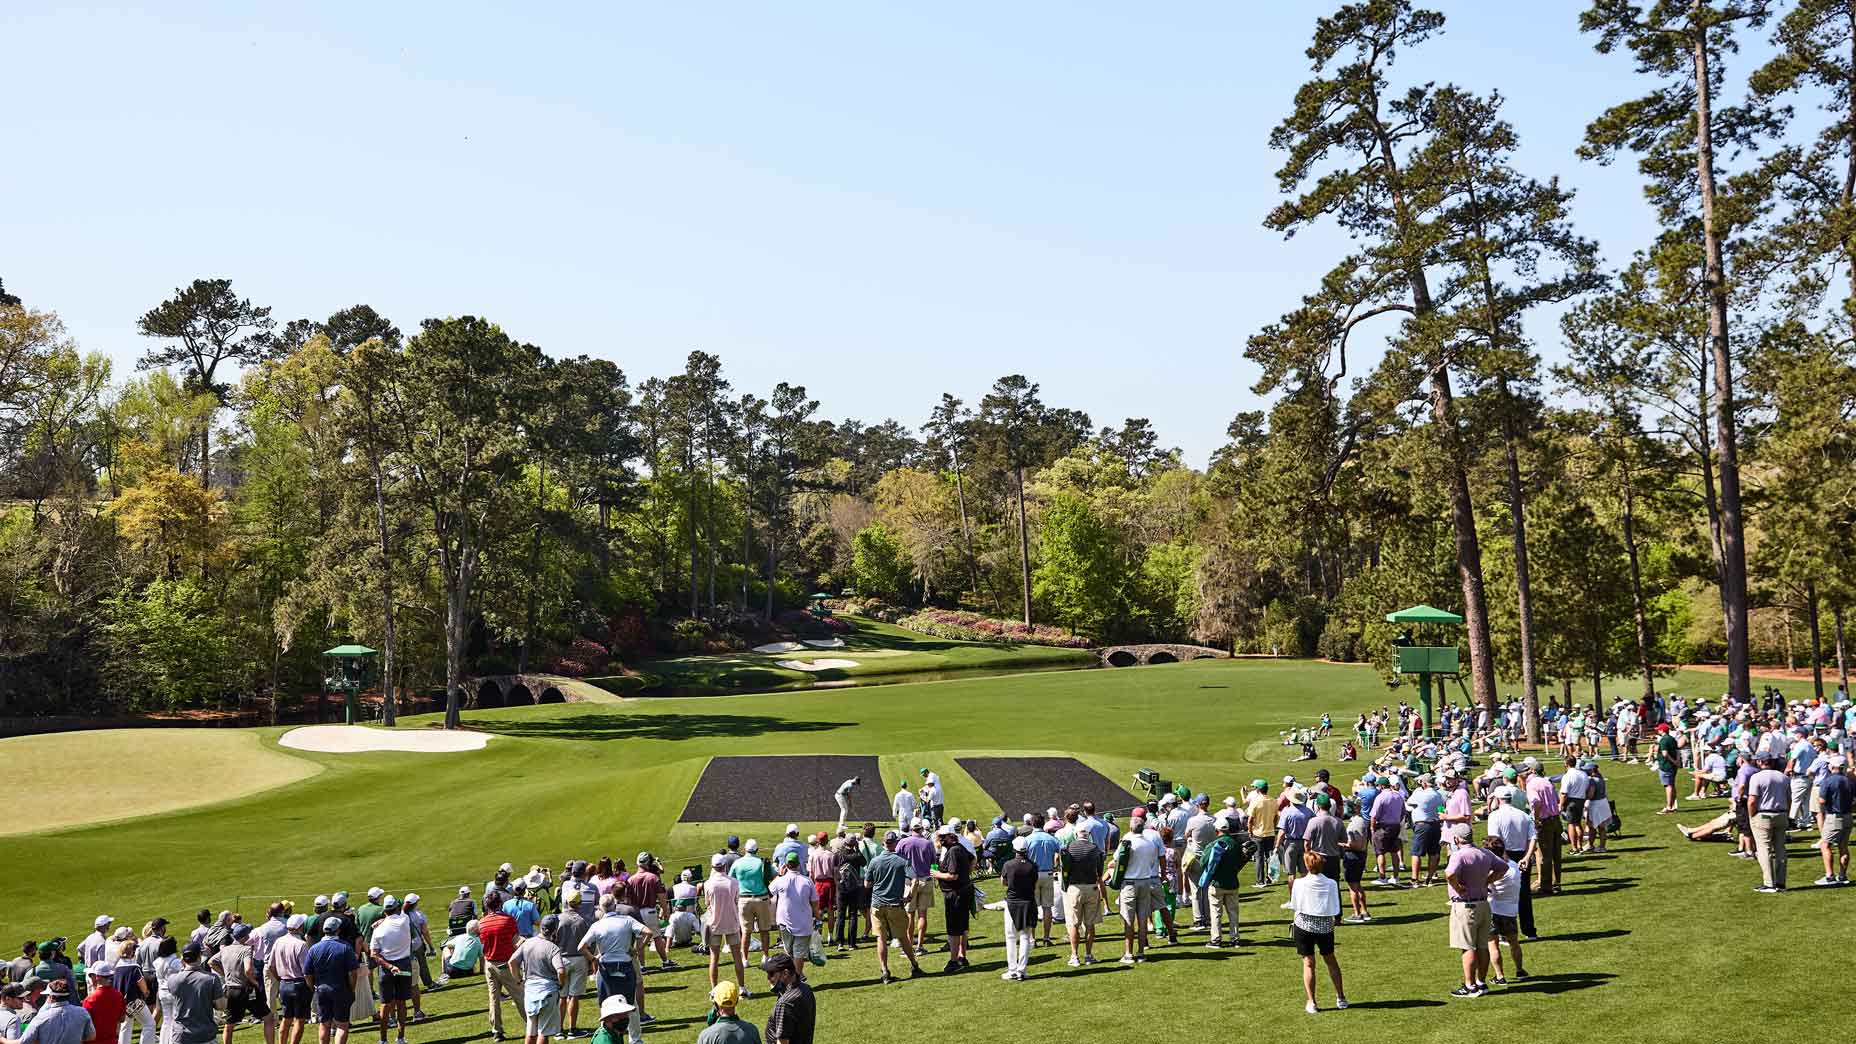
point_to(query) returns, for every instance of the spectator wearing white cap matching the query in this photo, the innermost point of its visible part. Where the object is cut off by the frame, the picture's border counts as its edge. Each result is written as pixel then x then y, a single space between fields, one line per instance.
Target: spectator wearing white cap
pixel 753 875
pixel 284 967
pixel 1520 842
pixel 94 947
pixel 721 920
pixel 1020 877
pixel 1835 793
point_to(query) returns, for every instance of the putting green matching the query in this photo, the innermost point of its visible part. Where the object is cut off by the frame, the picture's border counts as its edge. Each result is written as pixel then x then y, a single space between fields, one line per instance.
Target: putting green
pixel 131 773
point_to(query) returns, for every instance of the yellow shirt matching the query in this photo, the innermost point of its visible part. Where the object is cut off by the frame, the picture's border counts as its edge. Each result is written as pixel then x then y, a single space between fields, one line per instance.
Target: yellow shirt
pixel 1261 808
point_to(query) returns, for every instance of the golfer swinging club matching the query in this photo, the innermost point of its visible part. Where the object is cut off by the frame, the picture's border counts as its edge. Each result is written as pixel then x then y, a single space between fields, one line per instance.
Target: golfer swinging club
pixel 844 799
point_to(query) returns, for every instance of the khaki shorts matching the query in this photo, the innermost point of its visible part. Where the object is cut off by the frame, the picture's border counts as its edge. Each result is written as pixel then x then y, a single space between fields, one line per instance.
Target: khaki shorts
pixel 1836 832
pixel 1047 891
pixel 756 913
pixel 1139 899
pixel 1082 905
pixel 575 973
pixel 919 899
pixel 892 922
pixel 1469 925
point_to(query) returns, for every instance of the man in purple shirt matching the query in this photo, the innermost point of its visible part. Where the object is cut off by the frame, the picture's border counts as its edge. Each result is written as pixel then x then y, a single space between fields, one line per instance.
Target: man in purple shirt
pixel 1544 800
pixel 1388 814
pixel 1472 869
pixel 918 898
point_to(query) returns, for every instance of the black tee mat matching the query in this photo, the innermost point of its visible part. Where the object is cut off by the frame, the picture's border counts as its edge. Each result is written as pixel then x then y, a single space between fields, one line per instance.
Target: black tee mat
pixel 798 788
pixel 1023 785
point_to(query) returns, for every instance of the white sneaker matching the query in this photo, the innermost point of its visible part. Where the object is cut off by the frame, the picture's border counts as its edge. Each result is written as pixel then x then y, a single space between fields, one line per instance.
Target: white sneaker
pixel 1340 1003
pixel 1286 906
pixel 1310 1008
pixel 1006 975
pixel 1126 958
pixel 1075 962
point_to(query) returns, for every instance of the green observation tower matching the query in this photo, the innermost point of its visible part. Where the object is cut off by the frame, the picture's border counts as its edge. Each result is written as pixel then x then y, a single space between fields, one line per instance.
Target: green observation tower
pixel 1421 650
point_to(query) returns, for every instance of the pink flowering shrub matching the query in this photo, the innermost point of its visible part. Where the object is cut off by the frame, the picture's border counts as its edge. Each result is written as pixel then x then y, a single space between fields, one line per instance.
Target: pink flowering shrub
pixel 972 627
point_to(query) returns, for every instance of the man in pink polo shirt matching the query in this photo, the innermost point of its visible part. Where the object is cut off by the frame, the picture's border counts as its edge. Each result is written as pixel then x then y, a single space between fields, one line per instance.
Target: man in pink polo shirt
pixel 1544 801
pixel 1471 871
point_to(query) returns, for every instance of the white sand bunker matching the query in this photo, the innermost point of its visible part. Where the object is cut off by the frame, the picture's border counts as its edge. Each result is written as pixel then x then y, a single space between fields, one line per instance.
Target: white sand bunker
pixel 354 739
pixel 828 643
pixel 779 647
pixel 817 665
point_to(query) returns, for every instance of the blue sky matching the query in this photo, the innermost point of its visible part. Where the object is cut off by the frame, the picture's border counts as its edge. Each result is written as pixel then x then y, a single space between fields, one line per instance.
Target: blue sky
pixel 882 202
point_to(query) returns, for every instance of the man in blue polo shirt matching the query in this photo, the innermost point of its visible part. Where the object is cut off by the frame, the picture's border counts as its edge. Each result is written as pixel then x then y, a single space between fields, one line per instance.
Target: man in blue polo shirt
pixel 1041 847
pixel 331 968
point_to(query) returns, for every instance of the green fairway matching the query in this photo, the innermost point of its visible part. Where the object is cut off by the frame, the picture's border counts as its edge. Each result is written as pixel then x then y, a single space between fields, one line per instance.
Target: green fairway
pixel 1661 939
pixel 877 653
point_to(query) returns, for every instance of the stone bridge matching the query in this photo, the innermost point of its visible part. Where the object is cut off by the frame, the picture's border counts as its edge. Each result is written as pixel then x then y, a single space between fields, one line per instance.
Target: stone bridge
pixel 1141 655
pixel 523 690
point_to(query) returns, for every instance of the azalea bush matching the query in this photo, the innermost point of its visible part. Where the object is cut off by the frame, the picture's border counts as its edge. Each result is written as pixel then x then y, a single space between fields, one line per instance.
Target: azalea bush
pixel 972 627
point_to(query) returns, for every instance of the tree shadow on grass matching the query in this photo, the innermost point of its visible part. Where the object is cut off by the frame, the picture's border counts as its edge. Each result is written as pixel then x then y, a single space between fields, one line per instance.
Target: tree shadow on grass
pixel 1598 885
pixel 1565 983
pixel 651 726
pixel 1409 1002
pixel 1608 933
pixel 1410 918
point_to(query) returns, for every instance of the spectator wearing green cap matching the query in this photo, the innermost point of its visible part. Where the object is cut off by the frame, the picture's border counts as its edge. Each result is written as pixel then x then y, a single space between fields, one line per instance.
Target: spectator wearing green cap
pixel 795 908
pixel 934 801
pixel 1260 815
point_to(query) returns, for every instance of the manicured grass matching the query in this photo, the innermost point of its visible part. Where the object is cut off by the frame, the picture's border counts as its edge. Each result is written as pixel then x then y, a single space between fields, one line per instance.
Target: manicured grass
pixel 882 652
pixel 1661 939
pixel 78 778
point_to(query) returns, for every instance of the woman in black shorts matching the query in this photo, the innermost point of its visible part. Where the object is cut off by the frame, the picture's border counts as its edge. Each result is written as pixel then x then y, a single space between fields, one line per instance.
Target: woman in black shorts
pixel 1353 860
pixel 1315 899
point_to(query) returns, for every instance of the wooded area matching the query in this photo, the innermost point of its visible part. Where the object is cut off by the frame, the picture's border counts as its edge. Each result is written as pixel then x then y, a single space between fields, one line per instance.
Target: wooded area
pixel 1679 484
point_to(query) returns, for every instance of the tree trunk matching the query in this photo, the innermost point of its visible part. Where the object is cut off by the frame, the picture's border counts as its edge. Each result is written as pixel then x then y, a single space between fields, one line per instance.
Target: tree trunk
pixel 1523 585
pixel 605 537
pixel 1817 638
pixel 1639 613
pixel 1468 547
pixel 1791 654
pixel 1843 661
pixel 534 571
pixel 966 536
pixel 1733 545
pixel 773 539
pixel 389 709
pixel 1024 543
pixel 457 599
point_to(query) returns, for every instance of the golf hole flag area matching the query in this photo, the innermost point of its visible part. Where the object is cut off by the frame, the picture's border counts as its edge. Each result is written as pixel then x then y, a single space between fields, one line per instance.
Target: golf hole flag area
pixel 797 788
pixel 1022 785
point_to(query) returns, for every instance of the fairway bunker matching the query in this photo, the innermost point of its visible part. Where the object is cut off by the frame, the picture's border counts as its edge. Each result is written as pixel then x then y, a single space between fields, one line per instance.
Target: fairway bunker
pixel 357 739
pixel 796 788
pixel 1026 784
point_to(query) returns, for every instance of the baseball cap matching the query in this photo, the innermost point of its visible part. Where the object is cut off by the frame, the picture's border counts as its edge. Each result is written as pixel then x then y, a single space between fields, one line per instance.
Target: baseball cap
pixel 753 845
pixel 105 920
pixel 322 900
pixel 1230 801
pixel 777 962
pixel 725 994
pixel 101 970
pixel 1286 780
pixel 917 823
pixel 506 869
pixel 331 925
pixel 339 899
pixel 241 930
pixel 644 857
pixel 411 898
pixel 391 902
pixel 792 829
pixel 1018 844
pixel 463 891
pixel 890 836
pixel 1298 796
pixel 296 922
pixel 718 861
pixel 792 859
pixel 13 989
pixel 376 892
pixel 190 952
pixel 614 1005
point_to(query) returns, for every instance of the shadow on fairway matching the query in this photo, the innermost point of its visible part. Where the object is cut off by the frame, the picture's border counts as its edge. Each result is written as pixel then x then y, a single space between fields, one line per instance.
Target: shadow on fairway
pixel 1608 933
pixel 1410 918
pixel 652 726
pixel 1409 1002
pixel 1565 983
pixel 1601 884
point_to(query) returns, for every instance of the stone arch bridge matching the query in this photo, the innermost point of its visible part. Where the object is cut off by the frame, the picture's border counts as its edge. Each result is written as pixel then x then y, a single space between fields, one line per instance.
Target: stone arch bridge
pixel 523 690
pixel 1142 655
